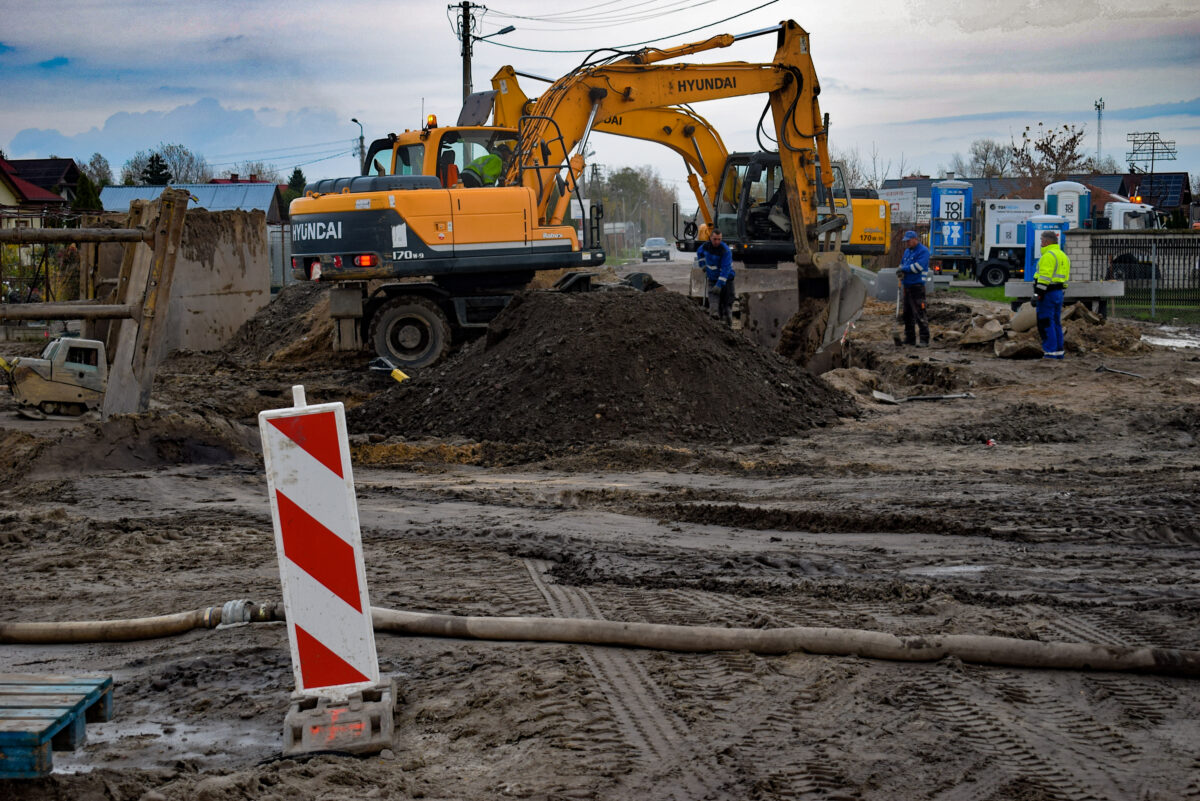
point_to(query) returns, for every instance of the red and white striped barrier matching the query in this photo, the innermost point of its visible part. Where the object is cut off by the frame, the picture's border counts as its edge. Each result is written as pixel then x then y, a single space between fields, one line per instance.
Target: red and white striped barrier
pixel 315 512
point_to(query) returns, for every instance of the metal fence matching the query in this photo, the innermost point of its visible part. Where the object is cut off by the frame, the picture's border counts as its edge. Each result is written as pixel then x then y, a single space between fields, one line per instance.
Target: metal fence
pixel 280 251
pixel 1161 271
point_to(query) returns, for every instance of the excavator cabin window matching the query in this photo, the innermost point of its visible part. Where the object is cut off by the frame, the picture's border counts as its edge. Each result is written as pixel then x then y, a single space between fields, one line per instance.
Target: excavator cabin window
pixel 410 159
pixel 82 357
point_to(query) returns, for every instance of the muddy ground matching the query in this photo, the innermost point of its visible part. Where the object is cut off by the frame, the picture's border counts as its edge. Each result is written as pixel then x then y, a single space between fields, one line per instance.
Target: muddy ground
pixel 1079 524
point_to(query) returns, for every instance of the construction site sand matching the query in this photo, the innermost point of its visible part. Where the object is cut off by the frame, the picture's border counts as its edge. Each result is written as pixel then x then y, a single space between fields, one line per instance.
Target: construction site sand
pixel 1078 524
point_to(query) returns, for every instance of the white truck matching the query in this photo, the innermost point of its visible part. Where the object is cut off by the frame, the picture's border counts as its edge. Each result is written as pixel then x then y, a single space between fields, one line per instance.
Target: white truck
pixel 998 248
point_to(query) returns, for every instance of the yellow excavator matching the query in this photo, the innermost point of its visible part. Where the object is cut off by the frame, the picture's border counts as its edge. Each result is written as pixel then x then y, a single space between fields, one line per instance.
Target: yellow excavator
pixel 749 211
pixel 419 211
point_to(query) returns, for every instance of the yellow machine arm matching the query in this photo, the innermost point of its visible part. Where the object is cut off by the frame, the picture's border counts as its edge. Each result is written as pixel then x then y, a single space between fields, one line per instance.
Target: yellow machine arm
pixel 559 122
pixel 680 129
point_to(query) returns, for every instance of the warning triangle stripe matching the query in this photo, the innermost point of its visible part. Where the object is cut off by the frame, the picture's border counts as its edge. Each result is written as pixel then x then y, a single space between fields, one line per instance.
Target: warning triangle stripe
pixel 321 667
pixel 318 551
pixel 316 434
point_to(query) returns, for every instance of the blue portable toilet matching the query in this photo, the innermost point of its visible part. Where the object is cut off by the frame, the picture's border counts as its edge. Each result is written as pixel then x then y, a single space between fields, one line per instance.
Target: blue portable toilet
pixel 950 219
pixel 1033 238
pixel 1069 199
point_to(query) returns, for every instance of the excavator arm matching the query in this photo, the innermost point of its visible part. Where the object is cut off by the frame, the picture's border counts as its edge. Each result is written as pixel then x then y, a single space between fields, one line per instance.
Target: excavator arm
pixel 680 129
pixel 555 129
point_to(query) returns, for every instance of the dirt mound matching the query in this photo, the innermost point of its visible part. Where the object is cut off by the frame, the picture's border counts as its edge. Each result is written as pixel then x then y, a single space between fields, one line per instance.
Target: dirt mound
pixel 293 327
pixel 130 442
pixel 603 366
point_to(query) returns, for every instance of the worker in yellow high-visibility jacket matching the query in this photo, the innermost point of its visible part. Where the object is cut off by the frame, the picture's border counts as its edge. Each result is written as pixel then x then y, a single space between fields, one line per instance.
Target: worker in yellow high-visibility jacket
pixel 1053 272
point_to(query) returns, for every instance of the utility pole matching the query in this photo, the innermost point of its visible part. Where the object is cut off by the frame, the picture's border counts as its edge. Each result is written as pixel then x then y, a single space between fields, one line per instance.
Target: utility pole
pixel 464 27
pixel 464 32
pixel 362 149
pixel 1099 123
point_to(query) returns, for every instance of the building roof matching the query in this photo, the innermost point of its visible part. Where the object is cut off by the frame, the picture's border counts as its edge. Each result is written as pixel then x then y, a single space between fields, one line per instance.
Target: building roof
pixel 980 187
pixel 27 191
pixel 60 176
pixel 1164 190
pixel 213 197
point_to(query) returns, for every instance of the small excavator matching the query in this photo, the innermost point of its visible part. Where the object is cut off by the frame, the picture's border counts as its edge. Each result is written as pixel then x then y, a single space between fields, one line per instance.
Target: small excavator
pixel 414 215
pixel 68 379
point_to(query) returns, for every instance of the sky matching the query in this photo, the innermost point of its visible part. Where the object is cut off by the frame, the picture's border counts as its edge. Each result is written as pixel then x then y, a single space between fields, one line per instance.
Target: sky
pixel 907 83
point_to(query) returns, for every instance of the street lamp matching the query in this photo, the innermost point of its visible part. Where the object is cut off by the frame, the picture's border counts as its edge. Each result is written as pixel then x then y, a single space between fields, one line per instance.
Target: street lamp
pixel 468 39
pixel 362 151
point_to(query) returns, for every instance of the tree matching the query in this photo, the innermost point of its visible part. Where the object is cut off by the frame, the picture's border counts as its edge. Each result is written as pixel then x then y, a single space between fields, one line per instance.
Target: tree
pixel 98 171
pixel 184 166
pixel 87 194
pixel 260 170
pixel 297 182
pixel 1105 166
pixel 987 159
pixel 1048 155
pixel 155 172
pixel 853 172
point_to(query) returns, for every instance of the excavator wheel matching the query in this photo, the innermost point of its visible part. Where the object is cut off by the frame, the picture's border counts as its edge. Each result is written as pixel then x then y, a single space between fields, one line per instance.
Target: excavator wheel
pixel 410 332
pixel 48 407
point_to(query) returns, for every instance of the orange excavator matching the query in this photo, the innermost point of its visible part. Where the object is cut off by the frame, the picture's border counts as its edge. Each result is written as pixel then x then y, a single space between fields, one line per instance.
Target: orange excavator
pixel 452 253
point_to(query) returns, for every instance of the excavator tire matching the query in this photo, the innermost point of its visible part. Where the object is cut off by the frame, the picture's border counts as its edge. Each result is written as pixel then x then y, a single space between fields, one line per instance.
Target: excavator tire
pixel 410 332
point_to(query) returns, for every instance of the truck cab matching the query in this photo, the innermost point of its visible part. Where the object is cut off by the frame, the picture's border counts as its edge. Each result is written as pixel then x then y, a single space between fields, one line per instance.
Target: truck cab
pixel 1123 216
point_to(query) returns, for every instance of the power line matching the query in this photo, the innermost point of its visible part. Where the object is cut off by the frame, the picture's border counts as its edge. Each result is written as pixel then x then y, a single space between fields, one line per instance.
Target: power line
pixel 276 157
pixel 549 17
pixel 632 44
pixel 280 151
pixel 609 22
pixel 326 158
pixel 614 18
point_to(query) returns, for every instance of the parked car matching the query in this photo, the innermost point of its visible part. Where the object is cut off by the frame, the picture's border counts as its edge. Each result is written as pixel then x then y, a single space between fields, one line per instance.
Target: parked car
pixel 656 248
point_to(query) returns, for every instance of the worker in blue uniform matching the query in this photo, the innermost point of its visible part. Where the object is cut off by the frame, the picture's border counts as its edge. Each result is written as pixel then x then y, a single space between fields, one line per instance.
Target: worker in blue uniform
pixel 914 263
pixel 715 257
pixel 1049 283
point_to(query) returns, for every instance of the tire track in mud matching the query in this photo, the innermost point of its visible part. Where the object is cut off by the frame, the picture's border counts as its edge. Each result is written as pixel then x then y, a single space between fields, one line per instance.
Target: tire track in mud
pixel 1001 729
pixel 755 711
pixel 637 704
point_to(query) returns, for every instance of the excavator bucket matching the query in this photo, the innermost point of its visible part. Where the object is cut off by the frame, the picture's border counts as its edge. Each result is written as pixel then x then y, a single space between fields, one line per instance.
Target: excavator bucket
pixel 803 318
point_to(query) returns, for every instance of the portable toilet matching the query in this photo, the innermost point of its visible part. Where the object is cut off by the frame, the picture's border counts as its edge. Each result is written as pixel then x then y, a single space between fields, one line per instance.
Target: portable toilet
pixel 1069 199
pixel 950 219
pixel 1033 238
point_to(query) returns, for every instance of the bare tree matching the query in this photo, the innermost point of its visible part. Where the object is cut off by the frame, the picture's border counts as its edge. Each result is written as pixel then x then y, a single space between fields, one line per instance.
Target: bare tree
pixel 261 171
pixel 987 159
pixel 879 169
pixel 98 171
pixel 185 166
pixel 852 167
pixel 1049 154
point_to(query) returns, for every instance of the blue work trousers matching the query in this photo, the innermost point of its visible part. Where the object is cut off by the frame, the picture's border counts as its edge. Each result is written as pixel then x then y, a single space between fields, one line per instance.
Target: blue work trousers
pixel 1049 323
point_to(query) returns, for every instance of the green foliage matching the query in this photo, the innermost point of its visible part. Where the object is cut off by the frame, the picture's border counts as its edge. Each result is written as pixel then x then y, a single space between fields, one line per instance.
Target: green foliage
pixel 155 173
pixel 87 196
pixel 297 181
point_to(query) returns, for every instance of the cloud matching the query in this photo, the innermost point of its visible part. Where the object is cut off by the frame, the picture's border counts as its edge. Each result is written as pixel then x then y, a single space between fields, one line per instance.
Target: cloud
pixel 5 48
pixel 54 63
pixel 1184 107
pixel 1016 15
pixel 222 135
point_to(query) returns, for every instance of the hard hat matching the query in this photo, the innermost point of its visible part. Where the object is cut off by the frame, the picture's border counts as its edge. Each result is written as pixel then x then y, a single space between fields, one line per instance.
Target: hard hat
pixel 910 234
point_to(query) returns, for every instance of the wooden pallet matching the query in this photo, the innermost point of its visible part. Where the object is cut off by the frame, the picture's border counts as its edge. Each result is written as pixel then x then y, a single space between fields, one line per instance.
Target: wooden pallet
pixel 40 713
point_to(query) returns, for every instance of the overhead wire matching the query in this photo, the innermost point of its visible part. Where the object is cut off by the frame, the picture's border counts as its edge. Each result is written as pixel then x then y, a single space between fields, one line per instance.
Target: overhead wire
pixel 609 21
pixel 631 44
pixel 551 17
